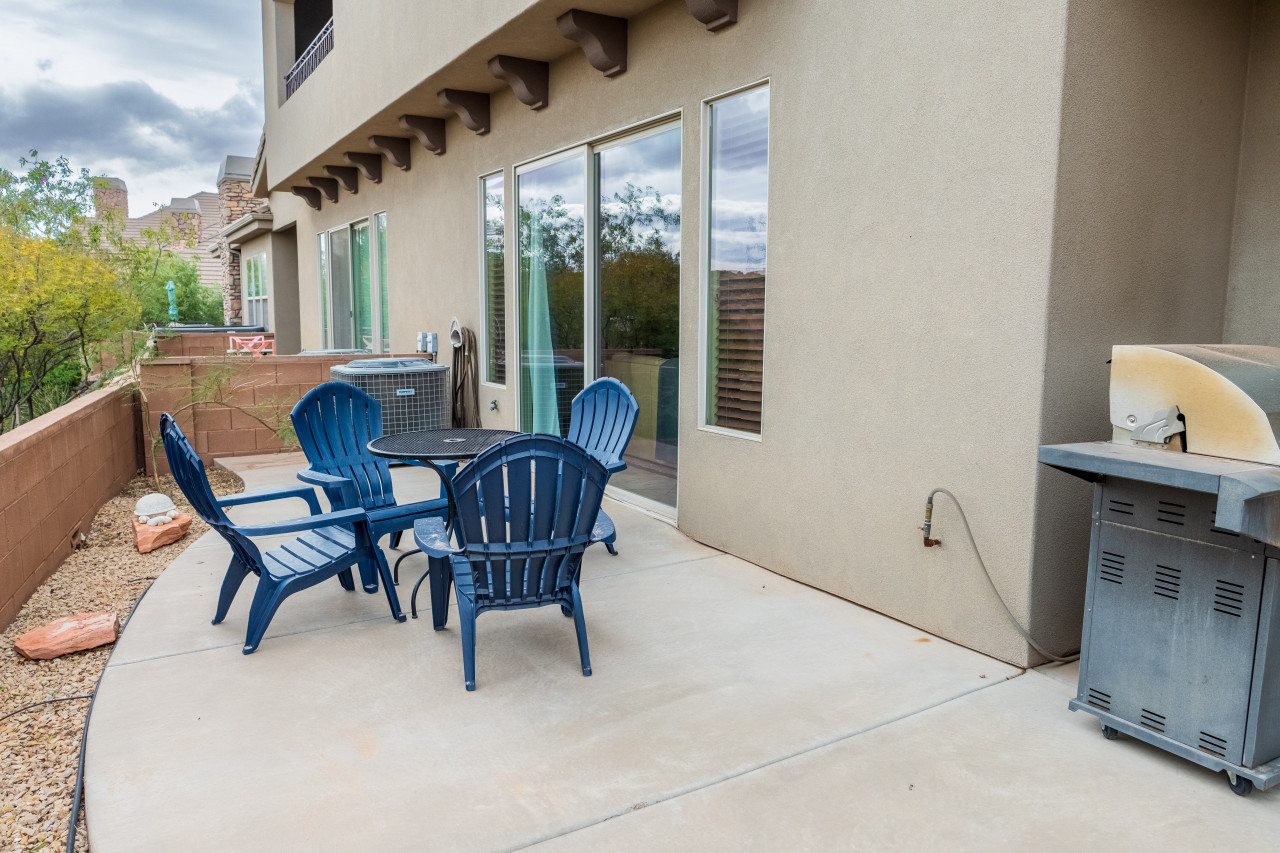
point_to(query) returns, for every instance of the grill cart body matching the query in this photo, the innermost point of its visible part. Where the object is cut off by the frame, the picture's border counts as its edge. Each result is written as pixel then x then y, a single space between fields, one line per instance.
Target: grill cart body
pixel 1181 632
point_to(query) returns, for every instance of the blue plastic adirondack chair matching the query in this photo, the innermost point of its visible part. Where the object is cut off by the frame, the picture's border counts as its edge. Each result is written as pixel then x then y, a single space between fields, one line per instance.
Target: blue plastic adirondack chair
pixel 602 421
pixel 330 544
pixel 335 423
pixel 528 555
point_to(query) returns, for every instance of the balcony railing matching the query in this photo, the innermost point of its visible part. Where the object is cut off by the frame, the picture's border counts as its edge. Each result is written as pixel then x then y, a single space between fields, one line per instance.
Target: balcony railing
pixel 310 59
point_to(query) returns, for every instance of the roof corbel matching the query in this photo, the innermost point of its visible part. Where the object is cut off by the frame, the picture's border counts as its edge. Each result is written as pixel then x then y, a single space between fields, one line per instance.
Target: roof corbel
pixel 528 78
pixel 472 108
pixel 603 39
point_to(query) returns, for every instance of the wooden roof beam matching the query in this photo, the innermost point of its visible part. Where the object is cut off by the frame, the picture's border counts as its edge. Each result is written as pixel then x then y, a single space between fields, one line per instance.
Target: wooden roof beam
pixel 603 39
pixel 328 187
pixel 715 14
pixel 430 131
pixel 347 176
pixel 370 165
pixel 528 78
pixel 472 108
pixel 394 148
pixel 310 195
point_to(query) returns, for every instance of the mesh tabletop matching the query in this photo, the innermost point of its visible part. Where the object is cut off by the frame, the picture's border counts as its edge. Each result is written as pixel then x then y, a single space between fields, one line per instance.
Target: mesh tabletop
pixel 438 443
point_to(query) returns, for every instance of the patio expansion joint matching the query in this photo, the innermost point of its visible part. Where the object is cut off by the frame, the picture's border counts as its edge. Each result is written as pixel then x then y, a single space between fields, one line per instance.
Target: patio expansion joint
pixel 316 630
pixel 763 765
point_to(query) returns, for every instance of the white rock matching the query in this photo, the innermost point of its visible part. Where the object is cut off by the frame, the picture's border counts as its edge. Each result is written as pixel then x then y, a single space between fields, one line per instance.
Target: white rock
pixel 173 513
pixel 152 504
pixel 142 519
pixel 158 520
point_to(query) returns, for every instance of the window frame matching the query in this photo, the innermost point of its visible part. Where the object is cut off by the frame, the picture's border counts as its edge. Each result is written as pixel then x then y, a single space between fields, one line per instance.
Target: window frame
pixel 704 259
pixel 325 279
pixel 254 273
pixel 508 183
pixel 587 149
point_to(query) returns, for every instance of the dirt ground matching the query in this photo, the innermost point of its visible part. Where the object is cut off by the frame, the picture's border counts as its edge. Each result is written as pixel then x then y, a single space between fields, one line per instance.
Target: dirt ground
pixel 40 747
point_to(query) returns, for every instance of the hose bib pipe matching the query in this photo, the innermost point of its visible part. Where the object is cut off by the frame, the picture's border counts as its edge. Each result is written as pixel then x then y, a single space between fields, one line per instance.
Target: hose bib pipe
pixel 929 543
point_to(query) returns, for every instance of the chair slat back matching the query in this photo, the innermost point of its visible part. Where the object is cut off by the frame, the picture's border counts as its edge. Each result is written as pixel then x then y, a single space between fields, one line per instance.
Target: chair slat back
pixel 526 508
pixel 603 418
pixel 188 471
pixel 335 423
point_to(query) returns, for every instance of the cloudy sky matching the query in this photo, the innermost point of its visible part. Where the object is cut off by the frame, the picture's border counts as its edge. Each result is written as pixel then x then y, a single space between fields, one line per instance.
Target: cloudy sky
pixel 156 92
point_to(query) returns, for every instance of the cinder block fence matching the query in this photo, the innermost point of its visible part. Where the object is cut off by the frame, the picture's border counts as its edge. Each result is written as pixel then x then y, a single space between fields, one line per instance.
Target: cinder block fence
pixel 55 473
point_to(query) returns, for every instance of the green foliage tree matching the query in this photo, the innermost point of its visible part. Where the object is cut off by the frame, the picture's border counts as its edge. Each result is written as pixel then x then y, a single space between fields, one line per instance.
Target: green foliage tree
pixel 196 302
pixel 61 291
pixel 48 200
pixel 55 303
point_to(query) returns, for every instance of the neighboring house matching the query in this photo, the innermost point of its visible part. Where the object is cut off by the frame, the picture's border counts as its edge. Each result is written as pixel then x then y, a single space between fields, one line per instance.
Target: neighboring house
pixel 243 305
pixel 208 219
pixel 195 215
pixel 843 252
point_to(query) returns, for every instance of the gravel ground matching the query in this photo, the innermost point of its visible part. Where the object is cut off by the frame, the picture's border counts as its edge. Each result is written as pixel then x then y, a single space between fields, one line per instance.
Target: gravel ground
pixel 40 748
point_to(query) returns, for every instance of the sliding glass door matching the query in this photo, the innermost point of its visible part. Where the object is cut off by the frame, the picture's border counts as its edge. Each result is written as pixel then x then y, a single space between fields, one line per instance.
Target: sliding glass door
pixel 638 223
pixel 354 286
pixel 599 292
pixel 552 232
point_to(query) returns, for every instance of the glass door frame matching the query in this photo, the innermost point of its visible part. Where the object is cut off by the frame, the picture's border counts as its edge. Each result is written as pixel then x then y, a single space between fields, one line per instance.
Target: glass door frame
pixel 375 271
pixel 591 331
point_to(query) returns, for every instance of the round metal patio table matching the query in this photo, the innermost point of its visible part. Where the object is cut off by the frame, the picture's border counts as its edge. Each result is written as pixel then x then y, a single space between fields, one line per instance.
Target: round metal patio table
pixel 427 446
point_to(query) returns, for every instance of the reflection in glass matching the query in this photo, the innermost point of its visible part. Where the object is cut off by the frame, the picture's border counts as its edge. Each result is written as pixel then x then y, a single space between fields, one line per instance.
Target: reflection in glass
pixel 340 286
pixel 360 294
pixel 384 302
pixel 739 165
pixel 551 204
pixel 639 264
pixel 495 281
pixel 322 260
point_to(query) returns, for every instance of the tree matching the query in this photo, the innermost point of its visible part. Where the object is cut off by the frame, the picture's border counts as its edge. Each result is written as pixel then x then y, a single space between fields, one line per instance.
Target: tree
pixel 196 302
pixel 56 302
pixel 49 200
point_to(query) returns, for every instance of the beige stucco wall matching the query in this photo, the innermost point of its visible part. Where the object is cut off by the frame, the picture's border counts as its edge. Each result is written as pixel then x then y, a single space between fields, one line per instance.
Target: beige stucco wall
pixel 911 207
pixel 1253 304
pixel 966 211
pixel 1152 107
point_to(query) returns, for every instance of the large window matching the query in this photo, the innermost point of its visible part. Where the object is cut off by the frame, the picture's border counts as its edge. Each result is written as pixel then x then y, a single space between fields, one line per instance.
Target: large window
pixel 354 298
pixel 384 297
pixel 322 264
pixel 552 204
pixel 494 279
pixel 254 291
pixel 599 292
pixel 737 170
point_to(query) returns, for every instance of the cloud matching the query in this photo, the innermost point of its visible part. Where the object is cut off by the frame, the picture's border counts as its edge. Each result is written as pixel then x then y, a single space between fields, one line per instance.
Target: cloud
pixel 129 122
pixel 44 64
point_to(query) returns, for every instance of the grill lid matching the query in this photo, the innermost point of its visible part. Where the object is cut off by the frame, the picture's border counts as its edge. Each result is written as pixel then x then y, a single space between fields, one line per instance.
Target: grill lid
pixel 1214 400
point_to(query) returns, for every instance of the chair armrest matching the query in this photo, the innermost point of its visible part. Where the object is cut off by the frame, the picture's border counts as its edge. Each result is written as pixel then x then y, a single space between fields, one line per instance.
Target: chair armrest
pixel 342 487
pixel 615 466
pixel 305 493
pixel 432 537
pixel 310 522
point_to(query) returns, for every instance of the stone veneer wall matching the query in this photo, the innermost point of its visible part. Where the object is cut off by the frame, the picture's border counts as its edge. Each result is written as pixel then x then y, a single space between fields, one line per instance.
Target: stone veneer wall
pixel 267 386
pixel 57 471
pixel 235 199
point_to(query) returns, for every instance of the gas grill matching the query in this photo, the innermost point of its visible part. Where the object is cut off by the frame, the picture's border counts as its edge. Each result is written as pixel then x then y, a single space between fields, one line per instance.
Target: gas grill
pixel 1183 592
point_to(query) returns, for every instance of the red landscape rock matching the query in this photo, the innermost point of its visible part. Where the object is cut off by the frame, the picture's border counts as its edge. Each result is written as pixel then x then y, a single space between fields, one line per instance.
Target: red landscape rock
pixel 68 634
pixel 148 538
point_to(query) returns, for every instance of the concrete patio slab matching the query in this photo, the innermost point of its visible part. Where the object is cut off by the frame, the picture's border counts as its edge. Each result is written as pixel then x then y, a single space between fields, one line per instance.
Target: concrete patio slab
pixel 346 730
pixel 1008 768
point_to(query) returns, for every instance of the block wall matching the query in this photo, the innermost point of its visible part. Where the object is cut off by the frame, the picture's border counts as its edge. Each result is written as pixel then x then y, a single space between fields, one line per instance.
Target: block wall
pixel 57 471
